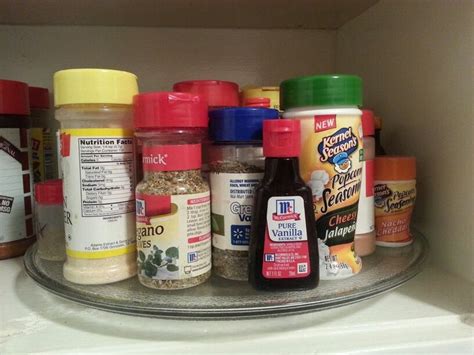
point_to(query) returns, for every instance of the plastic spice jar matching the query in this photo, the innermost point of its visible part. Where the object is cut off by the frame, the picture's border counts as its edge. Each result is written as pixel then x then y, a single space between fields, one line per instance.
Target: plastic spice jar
pixel 395 194
pixel 257 102
pixel 365 229
pixel 173 200
pixel 16 213
pixel 330 161
pixel 236 167
pixel 42 136
pixel 216 93
pixel 270 92
pixel 49 220
pixel 94 107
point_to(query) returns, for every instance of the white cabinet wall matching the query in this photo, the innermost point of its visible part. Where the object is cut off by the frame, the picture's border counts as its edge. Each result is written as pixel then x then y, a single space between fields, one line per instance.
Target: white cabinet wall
pixel 416 60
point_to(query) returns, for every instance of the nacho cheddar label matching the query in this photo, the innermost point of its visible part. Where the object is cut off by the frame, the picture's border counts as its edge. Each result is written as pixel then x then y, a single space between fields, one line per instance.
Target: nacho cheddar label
pixel 331 164
pixel 394 203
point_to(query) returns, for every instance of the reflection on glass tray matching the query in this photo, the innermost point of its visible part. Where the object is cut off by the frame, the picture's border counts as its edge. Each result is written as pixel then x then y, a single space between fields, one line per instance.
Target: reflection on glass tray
pixel 220 298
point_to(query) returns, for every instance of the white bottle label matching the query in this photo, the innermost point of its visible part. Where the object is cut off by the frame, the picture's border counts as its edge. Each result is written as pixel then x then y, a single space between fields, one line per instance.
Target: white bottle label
pixel 366 209
pixel 232 205
pixel 16 187
pixel 173 235
pixel 99 191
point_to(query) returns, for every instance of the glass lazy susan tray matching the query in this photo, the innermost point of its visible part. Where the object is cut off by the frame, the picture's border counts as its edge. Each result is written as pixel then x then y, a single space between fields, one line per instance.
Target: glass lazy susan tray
pixel 386 269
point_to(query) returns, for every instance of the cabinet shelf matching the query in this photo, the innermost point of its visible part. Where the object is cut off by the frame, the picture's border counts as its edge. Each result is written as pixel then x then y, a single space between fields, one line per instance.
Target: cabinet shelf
pixel 302 14
pixel 218 298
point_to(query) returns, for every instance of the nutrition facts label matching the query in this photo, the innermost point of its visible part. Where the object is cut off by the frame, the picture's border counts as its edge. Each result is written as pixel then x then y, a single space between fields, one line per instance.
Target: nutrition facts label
pixel 106 175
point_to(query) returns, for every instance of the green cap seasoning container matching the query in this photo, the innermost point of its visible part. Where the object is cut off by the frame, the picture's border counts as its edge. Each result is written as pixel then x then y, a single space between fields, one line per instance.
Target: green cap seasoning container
pixel 330 162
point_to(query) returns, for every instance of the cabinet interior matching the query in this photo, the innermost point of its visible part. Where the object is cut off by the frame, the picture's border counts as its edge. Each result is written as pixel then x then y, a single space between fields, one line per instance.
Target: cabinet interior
pixel 415 58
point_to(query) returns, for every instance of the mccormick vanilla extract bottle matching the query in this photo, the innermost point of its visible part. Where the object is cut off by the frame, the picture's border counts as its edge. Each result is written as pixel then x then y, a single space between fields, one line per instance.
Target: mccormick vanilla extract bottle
pixel 283 252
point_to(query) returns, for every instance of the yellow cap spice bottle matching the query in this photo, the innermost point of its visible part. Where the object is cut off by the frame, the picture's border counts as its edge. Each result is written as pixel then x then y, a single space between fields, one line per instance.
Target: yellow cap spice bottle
pixel 94 107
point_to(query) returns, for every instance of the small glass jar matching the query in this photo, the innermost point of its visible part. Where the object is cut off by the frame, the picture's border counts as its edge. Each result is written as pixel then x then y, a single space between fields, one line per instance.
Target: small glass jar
pixel 16 189
pixel 94 107
pixel 236 165
pixel 49 220
pixel 173 200
pixel 42 136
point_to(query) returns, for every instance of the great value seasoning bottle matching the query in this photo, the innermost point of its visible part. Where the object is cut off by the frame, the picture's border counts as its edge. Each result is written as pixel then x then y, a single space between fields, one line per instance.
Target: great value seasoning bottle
pixel 16 180
pixel 283 252
pixel 236 167
pixel 365 229
pixel 173 201
pixel 94 107
pixel 395 194
pixel 330 161
pixel 42 136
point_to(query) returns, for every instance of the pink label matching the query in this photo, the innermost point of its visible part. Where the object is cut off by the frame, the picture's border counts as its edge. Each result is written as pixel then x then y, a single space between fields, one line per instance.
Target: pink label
pixel 286 251
pixel 172 157
pixel 197 201
pixel 151 205
pixel 285 260
pixel 200 238
pixel 324 122
pixel 369 178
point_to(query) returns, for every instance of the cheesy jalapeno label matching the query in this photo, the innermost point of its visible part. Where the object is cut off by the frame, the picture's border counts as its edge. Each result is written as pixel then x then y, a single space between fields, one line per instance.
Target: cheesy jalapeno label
pixel 331 164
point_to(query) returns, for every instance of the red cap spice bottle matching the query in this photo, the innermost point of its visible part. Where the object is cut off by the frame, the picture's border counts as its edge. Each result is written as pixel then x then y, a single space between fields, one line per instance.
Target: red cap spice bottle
pixel 283 252
pixel 173 201
pixel 16 214
pixel 216 93
pixel 49 220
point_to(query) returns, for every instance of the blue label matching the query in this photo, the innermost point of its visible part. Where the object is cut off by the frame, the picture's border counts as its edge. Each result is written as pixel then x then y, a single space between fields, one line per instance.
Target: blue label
pixel 240 235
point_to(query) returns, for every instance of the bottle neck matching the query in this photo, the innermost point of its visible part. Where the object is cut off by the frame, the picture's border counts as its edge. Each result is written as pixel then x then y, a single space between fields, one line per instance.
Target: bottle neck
pixel 282 170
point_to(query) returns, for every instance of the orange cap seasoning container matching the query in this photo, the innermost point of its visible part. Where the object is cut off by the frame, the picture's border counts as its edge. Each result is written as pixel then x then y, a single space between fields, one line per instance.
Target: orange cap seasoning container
pixel 395 194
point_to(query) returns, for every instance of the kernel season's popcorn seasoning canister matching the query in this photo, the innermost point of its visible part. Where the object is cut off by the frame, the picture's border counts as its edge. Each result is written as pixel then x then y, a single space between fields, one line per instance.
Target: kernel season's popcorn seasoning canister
pixel 173 200
pixel 330 162
pixel 395 194
pixel 94 107
pixel 16 193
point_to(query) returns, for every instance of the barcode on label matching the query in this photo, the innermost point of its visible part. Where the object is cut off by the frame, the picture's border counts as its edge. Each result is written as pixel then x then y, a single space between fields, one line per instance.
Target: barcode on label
pixel 302 268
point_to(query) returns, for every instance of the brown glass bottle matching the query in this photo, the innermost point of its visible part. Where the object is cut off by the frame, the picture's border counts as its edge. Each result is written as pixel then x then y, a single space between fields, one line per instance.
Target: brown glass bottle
pixel 283 251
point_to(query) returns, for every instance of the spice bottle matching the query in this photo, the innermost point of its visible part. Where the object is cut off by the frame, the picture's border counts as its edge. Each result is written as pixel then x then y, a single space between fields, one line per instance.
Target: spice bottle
pixel 173 201
pixel 49 220
pixel 257 102
pixel 379 150
pixel 217 94
pixel 16 188
pixel 270 92
pixel 94 107
pixel 42 136
pixel 330 161
pixel 236 167
pixel 364 238
pixel 283 250
pixel 395 194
